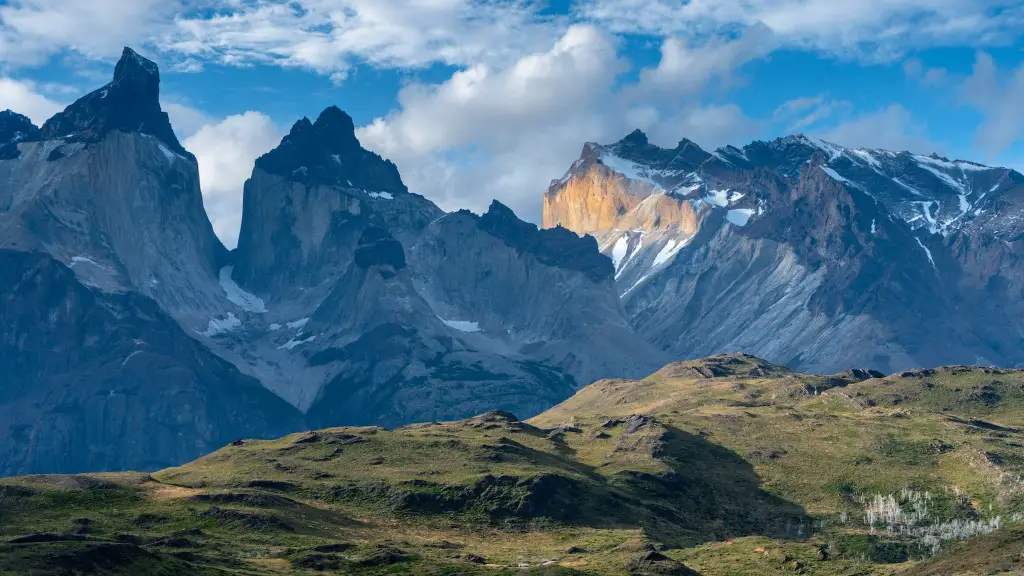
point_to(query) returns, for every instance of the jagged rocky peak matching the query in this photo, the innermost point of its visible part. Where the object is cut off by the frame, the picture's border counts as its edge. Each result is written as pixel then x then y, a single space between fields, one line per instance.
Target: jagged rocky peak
pixel 15 128
pixel 129 103
pixel 630 184
pixel 637 138
pixel 556 246
pixel 636 147
pixel 327 152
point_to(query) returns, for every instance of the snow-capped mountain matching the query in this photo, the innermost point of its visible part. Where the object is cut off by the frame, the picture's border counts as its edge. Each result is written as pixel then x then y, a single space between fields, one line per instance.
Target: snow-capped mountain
pixel 349 300
pixel 805 252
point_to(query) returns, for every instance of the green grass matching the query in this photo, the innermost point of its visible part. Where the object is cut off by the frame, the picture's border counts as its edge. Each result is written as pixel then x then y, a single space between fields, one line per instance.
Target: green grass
pixel 728 464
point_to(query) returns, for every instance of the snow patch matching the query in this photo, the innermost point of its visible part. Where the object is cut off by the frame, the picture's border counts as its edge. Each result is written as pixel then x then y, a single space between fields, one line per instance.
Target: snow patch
pixel 718 198
pixel 835 175
pixel 622 166
pixel 927 252
pixel 619 251
pixel 739 217
pixel 295 342
pixel 381 195
pixel 866 156
pixel 632 254
pixel 829 148
pixel 910 188
pixel 171 156
pixel 130 356
pixel 298 324
pixel 461 325
pixel 275 327
pixel 954 165
pixel 872 225
pixel 634 171
pixel 669 251
pixel 237 296
pixel 83 259
pixel 943 176
pixel 221 326
pixel 635 284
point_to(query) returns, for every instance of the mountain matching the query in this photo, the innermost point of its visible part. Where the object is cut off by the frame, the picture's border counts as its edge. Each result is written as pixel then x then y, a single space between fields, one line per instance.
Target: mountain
pixel 108 258
pixel 106 188
pixel 349 299
pixel 809 254
pixel 376 307
pixel 723 466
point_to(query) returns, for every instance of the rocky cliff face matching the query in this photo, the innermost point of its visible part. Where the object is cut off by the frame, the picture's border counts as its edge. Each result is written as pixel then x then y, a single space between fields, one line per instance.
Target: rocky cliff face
pixel 379 308
pixel 100 381
pixel 308 201
pixel 350 299
pixel 105 188
pixel 547 295
pixel 804 252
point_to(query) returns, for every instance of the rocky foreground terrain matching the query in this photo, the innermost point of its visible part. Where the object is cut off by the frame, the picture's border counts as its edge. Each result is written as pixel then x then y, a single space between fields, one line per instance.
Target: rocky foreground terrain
pixel 724 466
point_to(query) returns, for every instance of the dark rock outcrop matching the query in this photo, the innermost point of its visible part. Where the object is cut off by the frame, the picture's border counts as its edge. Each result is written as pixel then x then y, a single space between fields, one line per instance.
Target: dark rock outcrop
pixel 556 247
pixel 15 128
pixel 130 103
pixel 326 152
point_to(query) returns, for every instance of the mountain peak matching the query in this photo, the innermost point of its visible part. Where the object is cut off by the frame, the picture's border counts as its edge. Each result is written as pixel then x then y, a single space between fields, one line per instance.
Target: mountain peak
pixel 136 70
pixel 335 121
pixel 635 138
pixel 558 246
pixel 15 128
pixel 129 103
pixel 327 152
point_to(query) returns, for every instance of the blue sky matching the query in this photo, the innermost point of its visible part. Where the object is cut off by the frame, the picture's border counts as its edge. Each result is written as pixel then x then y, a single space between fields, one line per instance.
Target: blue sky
pixel 482 99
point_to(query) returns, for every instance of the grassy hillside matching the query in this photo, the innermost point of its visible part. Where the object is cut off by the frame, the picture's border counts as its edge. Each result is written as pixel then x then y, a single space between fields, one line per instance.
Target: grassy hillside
pixel 722 466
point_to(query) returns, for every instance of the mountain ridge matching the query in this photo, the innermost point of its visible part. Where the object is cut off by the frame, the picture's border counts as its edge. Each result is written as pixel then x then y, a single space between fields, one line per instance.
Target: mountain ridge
pixel 843 227
pixel 328 299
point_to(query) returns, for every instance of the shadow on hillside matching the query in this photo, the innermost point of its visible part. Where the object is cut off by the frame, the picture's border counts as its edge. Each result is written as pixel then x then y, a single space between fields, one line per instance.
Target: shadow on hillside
pixel 711 494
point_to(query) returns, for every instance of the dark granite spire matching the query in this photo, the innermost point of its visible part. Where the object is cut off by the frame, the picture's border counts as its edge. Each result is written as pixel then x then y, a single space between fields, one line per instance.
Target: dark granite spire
pixel 327 152
pixel 129 103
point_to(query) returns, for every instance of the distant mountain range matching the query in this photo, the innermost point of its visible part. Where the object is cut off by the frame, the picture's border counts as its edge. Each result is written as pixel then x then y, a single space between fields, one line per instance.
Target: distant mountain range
pixel 131 338
pixel 806 253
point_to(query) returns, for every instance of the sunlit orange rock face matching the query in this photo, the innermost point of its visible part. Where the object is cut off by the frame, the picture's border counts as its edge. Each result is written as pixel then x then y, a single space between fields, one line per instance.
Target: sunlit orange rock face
pixel 599 200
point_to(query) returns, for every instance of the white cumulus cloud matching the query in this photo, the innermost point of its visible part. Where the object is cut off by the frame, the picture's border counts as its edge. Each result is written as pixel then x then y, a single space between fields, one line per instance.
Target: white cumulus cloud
pixel 873 29
pixel 890 128
pixel 226 152
pixel 997 95
pixel 23 97
pixel 503 133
